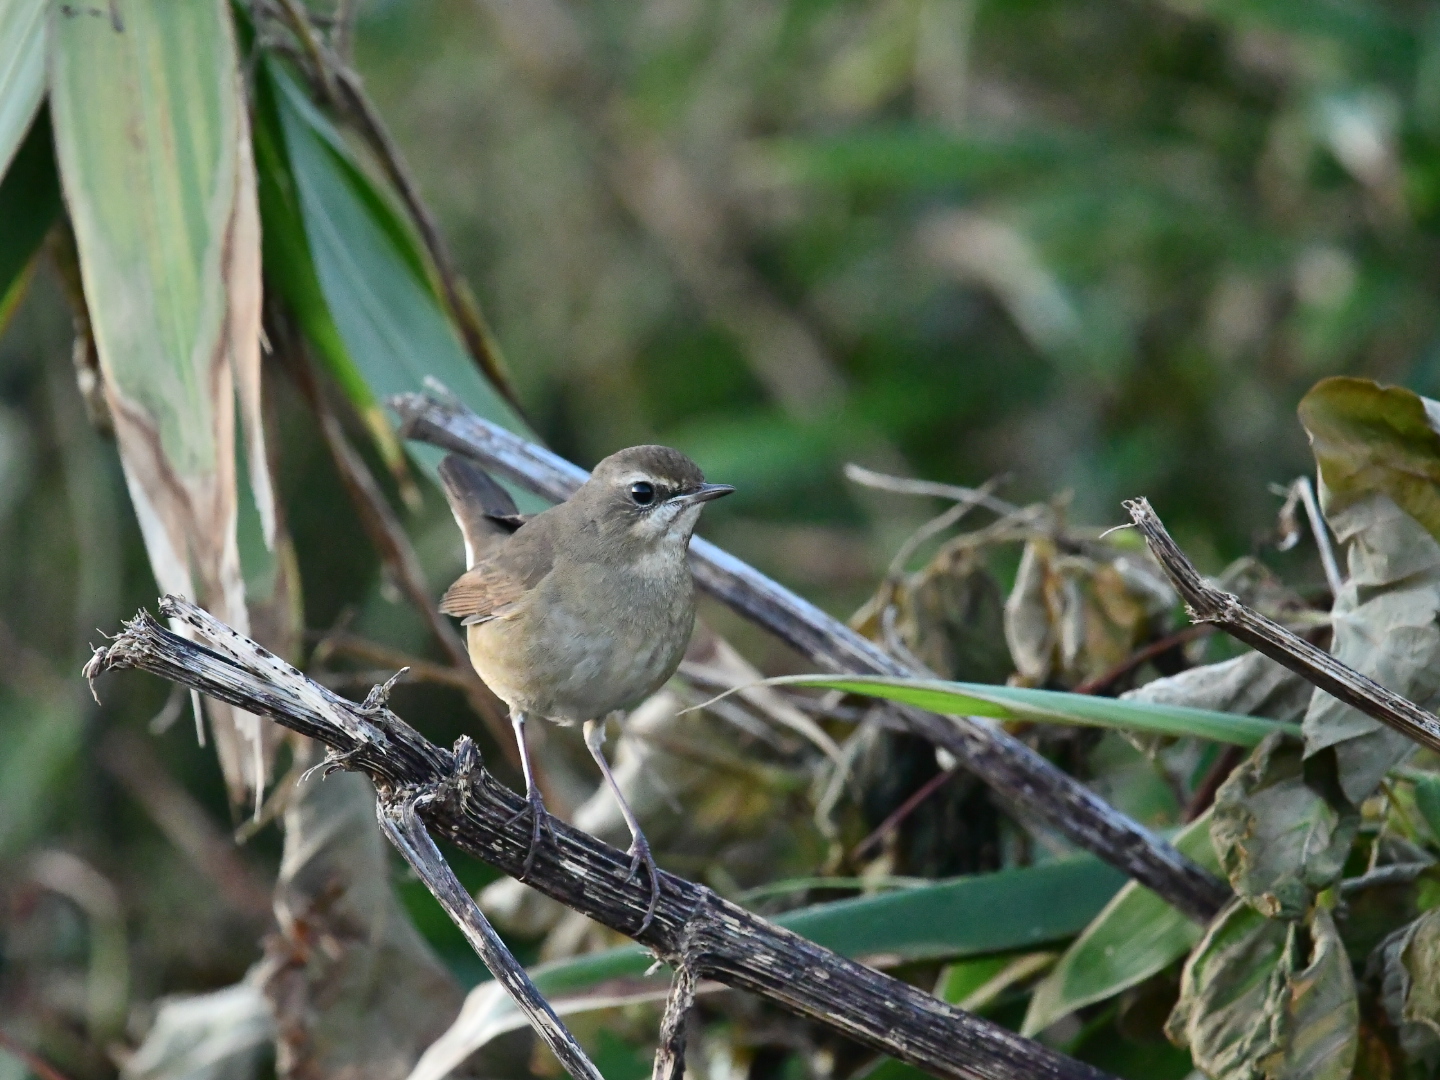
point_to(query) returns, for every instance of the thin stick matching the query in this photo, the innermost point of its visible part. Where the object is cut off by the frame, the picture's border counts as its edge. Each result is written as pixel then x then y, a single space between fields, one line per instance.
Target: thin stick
pixel 1205 603
pixel 407 832
pixel 858 474
pixel 670 1053
pixel 904 810
pixel 939 524
pixel 1015 771
pixel 394 547
pixel 464 803
pixel 373 652
pixel 1134 660
pixel 1322 535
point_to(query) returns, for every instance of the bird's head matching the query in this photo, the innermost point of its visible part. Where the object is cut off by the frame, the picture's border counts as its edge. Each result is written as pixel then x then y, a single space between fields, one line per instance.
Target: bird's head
pixel 651 495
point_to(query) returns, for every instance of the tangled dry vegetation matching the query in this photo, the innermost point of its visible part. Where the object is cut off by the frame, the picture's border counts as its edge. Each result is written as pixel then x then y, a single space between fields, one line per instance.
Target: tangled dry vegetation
pixel 1324 821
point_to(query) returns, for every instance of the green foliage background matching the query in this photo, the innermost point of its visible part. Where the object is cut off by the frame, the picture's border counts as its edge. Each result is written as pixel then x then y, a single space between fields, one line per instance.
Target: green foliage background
pixel 1103 248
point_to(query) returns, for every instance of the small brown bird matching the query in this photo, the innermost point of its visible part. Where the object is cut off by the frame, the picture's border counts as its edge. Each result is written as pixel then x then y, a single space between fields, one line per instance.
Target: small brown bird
pixel 585 609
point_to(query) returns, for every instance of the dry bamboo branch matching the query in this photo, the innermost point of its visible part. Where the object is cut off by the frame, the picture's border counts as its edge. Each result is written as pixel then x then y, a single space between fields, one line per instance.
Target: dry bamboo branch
pixel 1205 603
pixel 398 821
pixel 692 927
pixel 670 1053
pixel 1018 773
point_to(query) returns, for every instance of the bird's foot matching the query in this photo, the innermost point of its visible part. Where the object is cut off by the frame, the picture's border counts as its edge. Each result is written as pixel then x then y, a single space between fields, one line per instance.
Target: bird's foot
pixel 639 852
pixel 539 820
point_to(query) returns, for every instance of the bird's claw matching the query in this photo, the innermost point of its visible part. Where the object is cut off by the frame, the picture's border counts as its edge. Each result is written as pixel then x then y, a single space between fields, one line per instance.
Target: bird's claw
pixel 539 820
pixel 639 852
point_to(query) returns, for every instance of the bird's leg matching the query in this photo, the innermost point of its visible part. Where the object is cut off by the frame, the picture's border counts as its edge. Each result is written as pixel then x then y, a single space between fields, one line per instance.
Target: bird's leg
pixel 534 804
pixel 639 851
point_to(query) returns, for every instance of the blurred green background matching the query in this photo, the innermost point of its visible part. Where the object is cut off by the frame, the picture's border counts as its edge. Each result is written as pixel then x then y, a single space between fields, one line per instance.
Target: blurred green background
pixel 1100 248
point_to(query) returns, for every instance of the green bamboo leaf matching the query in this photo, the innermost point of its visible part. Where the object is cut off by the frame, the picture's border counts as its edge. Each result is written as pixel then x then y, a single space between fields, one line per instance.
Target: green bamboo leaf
pixel 22 72
pixel 370 273
pixel 968 916
pixel 161 191
pixel 1135 936
pixel 1048 707
pixel 29 202
pixel 291 272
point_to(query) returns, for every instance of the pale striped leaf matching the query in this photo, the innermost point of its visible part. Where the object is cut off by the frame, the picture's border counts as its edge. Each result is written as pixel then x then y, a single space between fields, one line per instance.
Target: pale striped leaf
pixel 153 141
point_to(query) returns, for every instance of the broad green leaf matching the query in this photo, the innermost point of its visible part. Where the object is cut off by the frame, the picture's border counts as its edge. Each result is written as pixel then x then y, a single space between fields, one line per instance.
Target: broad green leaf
pixel 1262 998
pixel 22 72
pixel 29 202
pixel 1282 828
pixel 969 916
pixel 1378 451
pixel 372 279
pixel 291 272
pixel 1022 909
pixel 1135 936
pixel 1048 707
pixel 161 192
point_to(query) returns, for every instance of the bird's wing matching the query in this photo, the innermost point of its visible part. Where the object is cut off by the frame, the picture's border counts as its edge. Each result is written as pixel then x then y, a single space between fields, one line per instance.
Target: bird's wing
pixel 493 586
pixel 483 509
pixel 486 591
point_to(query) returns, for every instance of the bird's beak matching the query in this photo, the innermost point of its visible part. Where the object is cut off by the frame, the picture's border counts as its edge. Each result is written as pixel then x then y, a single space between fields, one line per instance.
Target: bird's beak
pixel 703 494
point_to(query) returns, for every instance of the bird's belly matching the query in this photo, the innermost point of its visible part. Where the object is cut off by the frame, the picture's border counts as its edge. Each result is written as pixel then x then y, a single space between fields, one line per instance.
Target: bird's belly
pixel 573 665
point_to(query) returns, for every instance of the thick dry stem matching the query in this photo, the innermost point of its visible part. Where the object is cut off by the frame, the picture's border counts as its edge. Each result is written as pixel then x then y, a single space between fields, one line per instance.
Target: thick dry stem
pixel 670 1053
pixel 1208 604
pixel 1018 773
pixel 398 821
pixel 692 926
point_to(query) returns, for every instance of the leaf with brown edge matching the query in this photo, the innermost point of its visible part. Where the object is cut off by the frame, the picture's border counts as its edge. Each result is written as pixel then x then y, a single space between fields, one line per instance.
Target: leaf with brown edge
pixel 1282 828
pixel 161 190
pixel 1269 998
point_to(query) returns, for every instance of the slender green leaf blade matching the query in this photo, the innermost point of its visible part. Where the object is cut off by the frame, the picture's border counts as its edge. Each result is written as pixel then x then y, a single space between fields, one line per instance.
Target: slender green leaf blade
pixel 1049 707
pixel 22 72
pixel 1135 936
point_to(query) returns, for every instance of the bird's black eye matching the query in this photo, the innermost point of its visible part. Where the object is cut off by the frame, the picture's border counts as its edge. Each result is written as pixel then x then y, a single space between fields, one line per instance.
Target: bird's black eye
pixel 643 493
